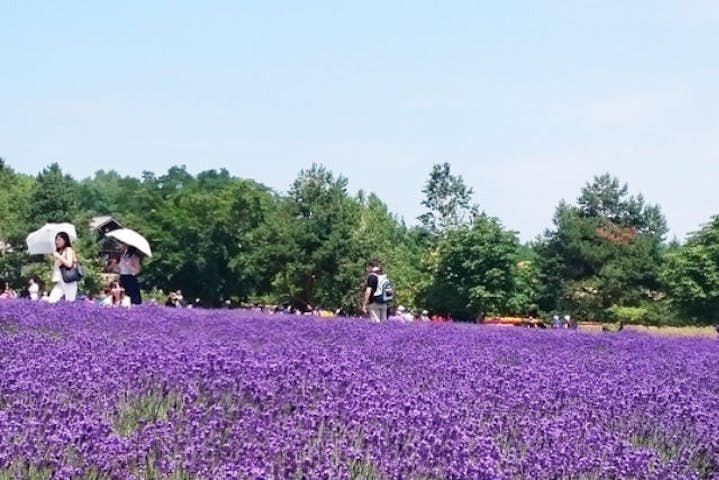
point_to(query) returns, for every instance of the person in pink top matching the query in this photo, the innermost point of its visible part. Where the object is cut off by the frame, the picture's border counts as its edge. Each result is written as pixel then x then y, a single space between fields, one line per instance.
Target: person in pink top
pixel 4 290
pixel 130 266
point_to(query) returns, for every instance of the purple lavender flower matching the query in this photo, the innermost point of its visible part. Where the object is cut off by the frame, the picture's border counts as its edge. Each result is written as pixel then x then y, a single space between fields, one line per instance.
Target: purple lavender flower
pixel 162 393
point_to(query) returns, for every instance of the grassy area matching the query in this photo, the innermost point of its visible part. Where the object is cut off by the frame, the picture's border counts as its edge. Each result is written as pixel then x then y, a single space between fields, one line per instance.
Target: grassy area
pixel 708 332
pixel 705 332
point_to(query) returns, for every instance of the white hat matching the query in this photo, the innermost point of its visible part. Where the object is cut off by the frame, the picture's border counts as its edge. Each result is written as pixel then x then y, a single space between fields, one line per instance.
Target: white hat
pixel 401 308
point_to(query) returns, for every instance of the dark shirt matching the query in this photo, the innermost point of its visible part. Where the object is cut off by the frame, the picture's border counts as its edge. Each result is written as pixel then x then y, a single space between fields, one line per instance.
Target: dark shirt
pixel 372 282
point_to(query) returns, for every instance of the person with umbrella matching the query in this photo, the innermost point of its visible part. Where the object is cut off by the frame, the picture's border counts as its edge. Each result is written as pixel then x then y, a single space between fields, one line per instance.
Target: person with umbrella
pixel 130 266
pixel 134 247
pixel 64 256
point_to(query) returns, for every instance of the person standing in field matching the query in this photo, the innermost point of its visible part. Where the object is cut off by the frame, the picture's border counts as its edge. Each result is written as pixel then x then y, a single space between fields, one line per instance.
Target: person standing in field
pixel 64 256
pixel 378 294
pixel 33 289
pixel 130 266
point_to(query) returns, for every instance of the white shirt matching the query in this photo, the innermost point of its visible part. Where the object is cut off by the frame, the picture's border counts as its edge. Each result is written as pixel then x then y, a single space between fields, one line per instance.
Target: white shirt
pixel 124 302
pixel 68 254
pixel 33 290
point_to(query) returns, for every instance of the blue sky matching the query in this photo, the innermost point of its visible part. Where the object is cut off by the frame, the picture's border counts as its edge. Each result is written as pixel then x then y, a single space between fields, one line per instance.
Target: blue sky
pixel 527 100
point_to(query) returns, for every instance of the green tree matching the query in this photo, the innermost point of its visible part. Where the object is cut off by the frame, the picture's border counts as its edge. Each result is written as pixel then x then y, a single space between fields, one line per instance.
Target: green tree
pixel 255 255
pixel 474 270
pixel 15 193
pixel 447 199
pixel 528 283
pixel 607 199
pixel 203 232
pixel 604 251
pixel 109 193
pixel 324 264
pixel 53 198
pixel 691 273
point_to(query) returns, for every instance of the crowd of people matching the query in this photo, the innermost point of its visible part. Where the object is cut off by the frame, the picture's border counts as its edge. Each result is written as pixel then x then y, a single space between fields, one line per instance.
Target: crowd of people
pixel 394 314
pixel 31 291
pixel 67 272
pixel 377 298
pixel 112 295
pixel 126 292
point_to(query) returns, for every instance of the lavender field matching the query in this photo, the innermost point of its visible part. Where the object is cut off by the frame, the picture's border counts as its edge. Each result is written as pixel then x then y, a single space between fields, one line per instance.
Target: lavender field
pixel 158 393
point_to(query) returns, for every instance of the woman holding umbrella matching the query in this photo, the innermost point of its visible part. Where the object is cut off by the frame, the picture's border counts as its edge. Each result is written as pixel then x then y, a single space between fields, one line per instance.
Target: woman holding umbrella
pixel 134 248
pixel 64 256
pixel 130 266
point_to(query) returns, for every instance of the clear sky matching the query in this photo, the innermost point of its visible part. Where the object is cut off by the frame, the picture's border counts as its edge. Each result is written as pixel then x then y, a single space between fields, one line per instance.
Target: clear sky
pixel 527 100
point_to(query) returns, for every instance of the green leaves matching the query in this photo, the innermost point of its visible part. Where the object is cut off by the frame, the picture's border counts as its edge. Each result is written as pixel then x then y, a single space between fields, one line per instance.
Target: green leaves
pixel 207 234
pixel 474 270
pixel 219 237
pixel 447 199
pixel 136 410
pixel 54 198
pixel 470 262
pixel 605 251
pixel 691 274
pixel 15 192
pixel 325 266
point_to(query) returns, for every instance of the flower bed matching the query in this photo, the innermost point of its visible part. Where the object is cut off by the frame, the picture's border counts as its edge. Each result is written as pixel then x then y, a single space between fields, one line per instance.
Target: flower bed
pixel 166 393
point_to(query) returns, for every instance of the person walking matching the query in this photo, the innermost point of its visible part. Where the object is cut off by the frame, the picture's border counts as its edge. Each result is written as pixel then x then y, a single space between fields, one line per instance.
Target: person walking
pixel 130 266
pixel 64 256
pixel 374 302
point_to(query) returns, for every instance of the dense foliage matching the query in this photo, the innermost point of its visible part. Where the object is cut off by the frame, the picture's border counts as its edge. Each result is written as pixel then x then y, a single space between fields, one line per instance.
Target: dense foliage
pixel 219 237
pixel 602 252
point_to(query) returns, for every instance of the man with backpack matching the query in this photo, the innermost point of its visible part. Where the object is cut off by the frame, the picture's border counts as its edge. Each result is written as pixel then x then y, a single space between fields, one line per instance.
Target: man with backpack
pixel 378 293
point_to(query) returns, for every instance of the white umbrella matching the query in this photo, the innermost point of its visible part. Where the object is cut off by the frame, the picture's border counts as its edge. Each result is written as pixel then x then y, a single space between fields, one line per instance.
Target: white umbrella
pixel 42 241
pixel 132 238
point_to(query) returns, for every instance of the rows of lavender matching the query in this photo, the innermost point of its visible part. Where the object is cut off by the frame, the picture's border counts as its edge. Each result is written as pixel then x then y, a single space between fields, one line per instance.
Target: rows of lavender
pixel 158 393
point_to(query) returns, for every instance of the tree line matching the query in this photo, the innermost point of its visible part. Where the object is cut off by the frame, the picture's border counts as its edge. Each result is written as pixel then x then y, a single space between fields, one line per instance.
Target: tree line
pixel 219 237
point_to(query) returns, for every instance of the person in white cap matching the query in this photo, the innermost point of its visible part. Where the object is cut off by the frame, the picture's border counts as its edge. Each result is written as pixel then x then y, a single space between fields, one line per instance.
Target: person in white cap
pixel 371 304
pixel 406 316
